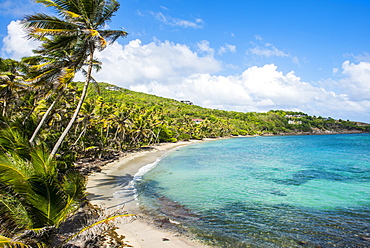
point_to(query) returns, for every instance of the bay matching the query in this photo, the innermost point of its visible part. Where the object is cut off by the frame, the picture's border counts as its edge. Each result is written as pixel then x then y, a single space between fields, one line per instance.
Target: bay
pixel 279 191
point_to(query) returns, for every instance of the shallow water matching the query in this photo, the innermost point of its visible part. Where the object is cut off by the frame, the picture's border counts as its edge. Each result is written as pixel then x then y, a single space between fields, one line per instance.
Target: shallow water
pixel 288 191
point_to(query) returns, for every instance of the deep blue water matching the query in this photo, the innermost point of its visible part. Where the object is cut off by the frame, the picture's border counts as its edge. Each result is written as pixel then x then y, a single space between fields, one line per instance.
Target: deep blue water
pixel 280 191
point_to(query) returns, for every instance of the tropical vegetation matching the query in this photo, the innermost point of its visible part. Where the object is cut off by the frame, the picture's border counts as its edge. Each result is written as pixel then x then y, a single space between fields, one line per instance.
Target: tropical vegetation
pixel 48 121
pixel 39 192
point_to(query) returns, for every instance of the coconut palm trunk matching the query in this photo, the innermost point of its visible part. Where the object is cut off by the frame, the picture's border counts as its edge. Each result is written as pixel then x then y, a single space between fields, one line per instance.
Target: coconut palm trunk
pixel 79 105
pixel 43 119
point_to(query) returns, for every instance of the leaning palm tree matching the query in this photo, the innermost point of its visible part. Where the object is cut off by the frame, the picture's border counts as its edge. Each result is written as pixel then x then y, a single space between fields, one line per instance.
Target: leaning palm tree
pixel 80 28
pixel 51 74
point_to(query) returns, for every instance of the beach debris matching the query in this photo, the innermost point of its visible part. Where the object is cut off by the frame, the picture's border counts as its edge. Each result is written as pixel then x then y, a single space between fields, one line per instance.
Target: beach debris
pixel 162 221
pixel 165 239
pixel 174 222
pixel 95 227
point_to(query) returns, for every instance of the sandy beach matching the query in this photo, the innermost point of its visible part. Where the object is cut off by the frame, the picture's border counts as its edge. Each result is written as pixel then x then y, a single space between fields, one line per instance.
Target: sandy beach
pixel 112 189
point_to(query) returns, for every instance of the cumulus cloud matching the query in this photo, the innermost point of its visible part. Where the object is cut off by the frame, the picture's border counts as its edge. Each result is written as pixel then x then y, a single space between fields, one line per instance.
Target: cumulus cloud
pixel 357 79
pixel 259 89
pixel 15 45
pixel 157 61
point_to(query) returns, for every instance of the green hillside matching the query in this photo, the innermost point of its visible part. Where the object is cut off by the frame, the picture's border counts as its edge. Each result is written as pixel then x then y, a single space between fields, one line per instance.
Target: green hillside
pixel 220 122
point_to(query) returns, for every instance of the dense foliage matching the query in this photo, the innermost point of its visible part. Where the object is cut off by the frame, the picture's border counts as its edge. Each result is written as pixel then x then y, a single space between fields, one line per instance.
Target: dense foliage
pixel 37 191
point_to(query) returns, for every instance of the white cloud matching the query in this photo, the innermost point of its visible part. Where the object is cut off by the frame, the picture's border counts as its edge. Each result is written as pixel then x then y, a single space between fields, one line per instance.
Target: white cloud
pixel 157 61
pixel 15 45
pixel 357 81
pixel 227 48
pixel 260 89
pixel 165 8
pixel 364 57
pixel 171 21
pixel 268 50
pixel 257 88
pixel 204 47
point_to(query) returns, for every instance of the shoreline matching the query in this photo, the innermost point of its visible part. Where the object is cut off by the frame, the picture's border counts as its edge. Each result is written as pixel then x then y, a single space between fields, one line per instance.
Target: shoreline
pixel 112 189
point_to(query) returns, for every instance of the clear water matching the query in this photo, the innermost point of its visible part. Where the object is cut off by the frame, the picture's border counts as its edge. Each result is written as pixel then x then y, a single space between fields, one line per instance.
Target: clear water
pixel 280 191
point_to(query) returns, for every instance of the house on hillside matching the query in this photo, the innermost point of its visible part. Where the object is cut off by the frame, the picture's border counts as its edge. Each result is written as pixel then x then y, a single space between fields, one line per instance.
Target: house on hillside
pixel 294 116
pixel 187 102
pixel 294 122
pixel 113 88
pixel 197 121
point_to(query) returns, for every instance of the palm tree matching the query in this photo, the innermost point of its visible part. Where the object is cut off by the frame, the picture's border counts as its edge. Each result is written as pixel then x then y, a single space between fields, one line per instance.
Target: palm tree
pixel 80 29
pixel 53 74
pixel 11 83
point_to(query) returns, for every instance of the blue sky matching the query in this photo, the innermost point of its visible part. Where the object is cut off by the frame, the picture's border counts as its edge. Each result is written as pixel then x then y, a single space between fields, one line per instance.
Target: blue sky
pixel 311 56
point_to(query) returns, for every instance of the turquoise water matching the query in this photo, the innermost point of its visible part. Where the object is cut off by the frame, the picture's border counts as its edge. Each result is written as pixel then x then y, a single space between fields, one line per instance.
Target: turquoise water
pixel 280 191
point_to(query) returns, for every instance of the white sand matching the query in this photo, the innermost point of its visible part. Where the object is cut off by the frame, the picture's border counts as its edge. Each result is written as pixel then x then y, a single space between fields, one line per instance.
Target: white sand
pixel 111 189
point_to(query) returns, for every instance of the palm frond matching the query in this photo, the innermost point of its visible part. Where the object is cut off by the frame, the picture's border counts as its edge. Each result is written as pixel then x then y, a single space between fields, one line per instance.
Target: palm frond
pixel 47 74
pixel 103 221
pixel 63 8
pixel 108 10
pixel 48 3
pixel 73 185
pixel 40 32
pixel 14 173
pixel 47 202
pixel 113 35
pixel 44 21
pixel 8 242
pixel 13 214
pixel 13 142
pixel 41 163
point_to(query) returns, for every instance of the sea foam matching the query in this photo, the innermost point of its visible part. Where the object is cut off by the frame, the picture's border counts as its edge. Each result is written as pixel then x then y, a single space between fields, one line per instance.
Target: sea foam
pixel 130 189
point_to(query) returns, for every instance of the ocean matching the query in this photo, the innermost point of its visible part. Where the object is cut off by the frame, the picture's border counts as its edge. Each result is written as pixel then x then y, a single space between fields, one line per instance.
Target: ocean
pixel 271 191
